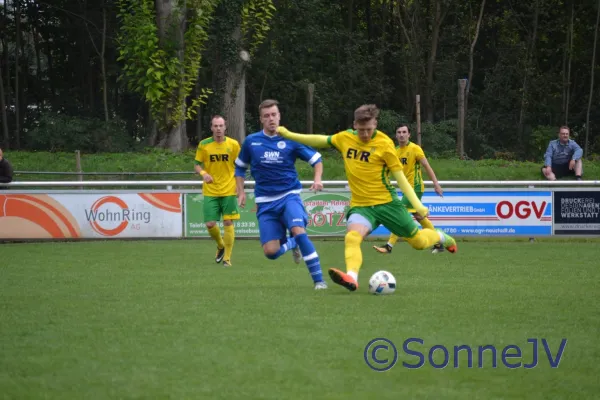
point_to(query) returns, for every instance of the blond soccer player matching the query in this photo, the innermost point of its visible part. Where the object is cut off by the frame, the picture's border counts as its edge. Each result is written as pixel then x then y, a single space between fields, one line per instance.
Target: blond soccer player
pixel 369 155
pixel 413 160
pixel 215 162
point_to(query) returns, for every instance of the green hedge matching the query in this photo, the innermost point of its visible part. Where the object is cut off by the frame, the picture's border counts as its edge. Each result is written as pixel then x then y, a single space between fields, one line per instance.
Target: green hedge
pixel 152 160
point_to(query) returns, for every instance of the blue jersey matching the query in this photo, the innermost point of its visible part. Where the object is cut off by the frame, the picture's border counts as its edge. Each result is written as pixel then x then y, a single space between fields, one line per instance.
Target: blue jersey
pixel 272 165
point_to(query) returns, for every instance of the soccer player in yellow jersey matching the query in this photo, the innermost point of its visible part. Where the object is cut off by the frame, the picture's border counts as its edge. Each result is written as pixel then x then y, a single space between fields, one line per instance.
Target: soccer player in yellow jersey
pixel 412 158
pixel 215 162
pixel 369 157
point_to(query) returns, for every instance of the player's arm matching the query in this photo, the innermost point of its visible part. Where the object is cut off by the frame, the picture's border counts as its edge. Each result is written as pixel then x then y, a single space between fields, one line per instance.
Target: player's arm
pixel 317 183
pixel 199 165
pixel 393 163
pixel 242 162
pixel 309 140
pixel 409 192
pixel 436 184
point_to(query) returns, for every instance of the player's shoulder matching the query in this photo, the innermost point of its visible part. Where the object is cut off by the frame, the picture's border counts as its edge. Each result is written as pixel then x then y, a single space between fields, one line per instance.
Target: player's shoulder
pixel 383 138
pixel 232 141
pixel 414 146
pixel 206 141
pixel 254 139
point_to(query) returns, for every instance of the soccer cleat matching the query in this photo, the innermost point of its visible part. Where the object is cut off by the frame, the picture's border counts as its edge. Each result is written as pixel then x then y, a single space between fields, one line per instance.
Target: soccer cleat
pixel 449 242
pixel 343 279
pixel 297 255
pixel 385 249
pixel 437 248
pixel 320 285
pixel 226 263
pixel 220 255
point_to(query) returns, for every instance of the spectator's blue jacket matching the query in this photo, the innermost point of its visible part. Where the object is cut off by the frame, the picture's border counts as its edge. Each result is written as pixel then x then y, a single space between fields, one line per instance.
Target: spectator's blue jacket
pixel 558 153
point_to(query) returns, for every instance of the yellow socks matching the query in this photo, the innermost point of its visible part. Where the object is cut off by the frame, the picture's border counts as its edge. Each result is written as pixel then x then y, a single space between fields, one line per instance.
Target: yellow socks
pixel 215 233
pixel 228 241
pixel 392 240
pixel 426 223
pixel 353 253
pixel 424 239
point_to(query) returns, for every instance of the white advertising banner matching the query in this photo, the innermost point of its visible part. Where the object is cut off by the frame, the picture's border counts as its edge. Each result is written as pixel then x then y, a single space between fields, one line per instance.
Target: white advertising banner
pixel 56 216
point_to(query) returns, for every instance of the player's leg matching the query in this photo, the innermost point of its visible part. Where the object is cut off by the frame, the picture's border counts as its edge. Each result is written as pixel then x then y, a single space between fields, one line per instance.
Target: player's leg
pixel 397 219
pixel 229 208
pixel 387 248
pixel 578 169
pixel 272 231
pixel 296 219
pixel 212 214
pixel 360 222
pixel 426 224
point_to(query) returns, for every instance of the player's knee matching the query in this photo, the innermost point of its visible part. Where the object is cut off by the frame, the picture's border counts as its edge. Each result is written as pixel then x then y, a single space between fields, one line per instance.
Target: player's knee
pixel 271 251
pixel 353 238
pixel 417 242
pixel 227 222
pixel 211 224
pixel 297 230
pixel 418 217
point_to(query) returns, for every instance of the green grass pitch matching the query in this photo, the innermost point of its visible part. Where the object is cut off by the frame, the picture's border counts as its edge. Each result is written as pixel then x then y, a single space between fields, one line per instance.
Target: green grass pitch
pixel 161 320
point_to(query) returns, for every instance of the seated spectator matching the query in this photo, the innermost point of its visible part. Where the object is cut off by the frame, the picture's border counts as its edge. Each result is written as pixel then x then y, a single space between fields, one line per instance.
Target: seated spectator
pixel 6 171
pixel 563 157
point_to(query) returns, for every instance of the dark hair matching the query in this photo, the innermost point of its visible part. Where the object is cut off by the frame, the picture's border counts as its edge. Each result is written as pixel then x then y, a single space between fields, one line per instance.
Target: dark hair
pixel 216 116
pixel 401 125
pixel 366 112
pixel 564 127
pixel 267 104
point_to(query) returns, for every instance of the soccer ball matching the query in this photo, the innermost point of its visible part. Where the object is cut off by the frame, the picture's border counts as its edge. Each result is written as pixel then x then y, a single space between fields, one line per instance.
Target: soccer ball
pixel 382 282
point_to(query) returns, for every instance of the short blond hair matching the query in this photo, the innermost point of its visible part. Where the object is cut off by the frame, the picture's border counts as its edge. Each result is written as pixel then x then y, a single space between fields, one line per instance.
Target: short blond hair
pixel 366 112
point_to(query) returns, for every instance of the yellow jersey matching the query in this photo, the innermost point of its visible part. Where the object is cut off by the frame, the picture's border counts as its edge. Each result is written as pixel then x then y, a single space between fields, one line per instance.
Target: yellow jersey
pixel 218 160
pixel 410 157
pixel 368 166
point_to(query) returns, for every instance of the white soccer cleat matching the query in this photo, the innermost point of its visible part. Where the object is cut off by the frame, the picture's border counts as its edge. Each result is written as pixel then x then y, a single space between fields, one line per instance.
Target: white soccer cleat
pixel 297 255
pixel 320 285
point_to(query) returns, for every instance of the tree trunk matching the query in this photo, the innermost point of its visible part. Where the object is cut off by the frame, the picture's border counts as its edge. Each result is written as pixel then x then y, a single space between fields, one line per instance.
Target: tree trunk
pixel 17 67
pixel 435 36
pixel 234 98
pixel 471 54
pixel 166 11
pixel 589 107
pixel 103 64
pixel 570 58
pixel 528 57
pixel 235 101
pixel 6 140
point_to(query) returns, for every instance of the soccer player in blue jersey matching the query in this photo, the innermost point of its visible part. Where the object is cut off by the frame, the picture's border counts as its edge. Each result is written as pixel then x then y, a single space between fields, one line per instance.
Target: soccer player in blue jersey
pixel 271 159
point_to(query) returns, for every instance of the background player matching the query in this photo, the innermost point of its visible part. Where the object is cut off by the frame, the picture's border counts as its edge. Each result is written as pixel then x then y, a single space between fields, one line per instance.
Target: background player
pixel 412 157
pixel 215 162
pixel 368 156
pixel 272 159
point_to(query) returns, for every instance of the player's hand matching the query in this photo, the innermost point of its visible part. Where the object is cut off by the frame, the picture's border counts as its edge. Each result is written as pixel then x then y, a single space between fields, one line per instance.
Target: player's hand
pixel 242 199
pixel 207 178
pixel 571 165
pixel 282 130
pixel 438 190
pixel 317 186
pixel 423 212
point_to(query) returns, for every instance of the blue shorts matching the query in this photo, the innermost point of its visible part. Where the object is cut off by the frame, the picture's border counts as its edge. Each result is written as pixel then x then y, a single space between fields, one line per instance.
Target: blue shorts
pixel 277 217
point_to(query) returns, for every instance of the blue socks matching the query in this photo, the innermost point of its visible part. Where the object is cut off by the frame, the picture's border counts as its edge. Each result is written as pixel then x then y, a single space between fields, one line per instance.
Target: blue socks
pixel 290 244
pixel 309 253
pixel 311 258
